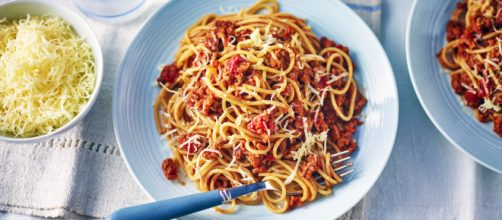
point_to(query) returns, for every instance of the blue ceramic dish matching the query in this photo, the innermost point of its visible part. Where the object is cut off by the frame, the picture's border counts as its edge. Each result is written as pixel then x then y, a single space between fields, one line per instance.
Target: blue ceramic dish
pixel 424 38
pixel 157 43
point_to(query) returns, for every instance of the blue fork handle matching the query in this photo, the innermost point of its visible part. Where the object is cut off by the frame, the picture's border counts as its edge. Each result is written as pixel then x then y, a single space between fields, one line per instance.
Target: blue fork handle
pixel 173 208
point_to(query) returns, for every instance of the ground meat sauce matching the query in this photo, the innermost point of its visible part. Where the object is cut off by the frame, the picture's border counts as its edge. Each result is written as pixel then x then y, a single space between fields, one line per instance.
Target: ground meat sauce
pixel 311 165
pixel 295 202
pixel 262 125
pixel 237 70
pixel 169 74
pixel 170 169
pixel 204 100
pixel 282 61
pixel 260 162
pixel 471 37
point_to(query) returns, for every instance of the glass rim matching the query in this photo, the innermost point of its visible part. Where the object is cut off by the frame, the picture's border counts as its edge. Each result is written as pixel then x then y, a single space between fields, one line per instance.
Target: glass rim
pixel 89 12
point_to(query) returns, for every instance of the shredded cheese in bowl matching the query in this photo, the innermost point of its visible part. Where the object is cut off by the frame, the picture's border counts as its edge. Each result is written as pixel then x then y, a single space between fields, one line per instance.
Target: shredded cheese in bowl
pixel 47 75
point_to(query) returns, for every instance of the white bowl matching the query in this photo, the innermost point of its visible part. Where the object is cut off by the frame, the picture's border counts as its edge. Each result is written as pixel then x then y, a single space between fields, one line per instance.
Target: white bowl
pixel 18 9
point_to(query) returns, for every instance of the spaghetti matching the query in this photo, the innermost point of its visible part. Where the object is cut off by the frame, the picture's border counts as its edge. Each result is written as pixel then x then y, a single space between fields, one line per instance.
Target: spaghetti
pixel 256 96
pixel 473 53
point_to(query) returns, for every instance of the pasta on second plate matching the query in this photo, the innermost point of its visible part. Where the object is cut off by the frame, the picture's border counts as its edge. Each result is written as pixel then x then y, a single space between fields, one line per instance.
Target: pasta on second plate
pixel 474 56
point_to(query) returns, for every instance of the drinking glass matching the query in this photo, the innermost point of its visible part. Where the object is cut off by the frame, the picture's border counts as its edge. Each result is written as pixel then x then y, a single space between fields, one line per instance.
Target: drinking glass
pixel 109 9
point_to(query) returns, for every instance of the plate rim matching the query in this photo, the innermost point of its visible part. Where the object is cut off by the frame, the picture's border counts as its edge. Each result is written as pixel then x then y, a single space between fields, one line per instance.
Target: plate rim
pixel 394 103
pixel 424 105
pixel 118 75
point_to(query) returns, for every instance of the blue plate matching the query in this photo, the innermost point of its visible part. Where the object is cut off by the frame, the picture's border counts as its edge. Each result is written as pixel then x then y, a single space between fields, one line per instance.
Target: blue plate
pixel 157 43
pixel 424 38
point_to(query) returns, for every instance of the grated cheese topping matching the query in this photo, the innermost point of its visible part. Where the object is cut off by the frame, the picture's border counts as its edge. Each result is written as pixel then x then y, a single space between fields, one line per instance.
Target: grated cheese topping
pixel 256 39
pixel 47 75
pixel 305 148
pixel 232 162
pixel 489 104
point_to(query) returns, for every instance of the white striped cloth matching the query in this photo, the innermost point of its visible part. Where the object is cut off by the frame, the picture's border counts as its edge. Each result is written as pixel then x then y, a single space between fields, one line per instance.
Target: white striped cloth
pixel 369 10
pixel 81 173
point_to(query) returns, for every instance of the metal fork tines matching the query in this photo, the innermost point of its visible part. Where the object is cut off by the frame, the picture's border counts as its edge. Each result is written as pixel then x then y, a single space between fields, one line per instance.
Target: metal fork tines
pixel 340 164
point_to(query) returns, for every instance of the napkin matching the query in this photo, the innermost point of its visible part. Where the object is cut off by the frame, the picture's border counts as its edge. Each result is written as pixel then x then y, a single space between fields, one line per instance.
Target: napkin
pixel 81 173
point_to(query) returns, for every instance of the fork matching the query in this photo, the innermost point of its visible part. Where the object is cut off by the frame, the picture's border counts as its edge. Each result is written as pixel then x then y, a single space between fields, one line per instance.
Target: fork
pixel 176 207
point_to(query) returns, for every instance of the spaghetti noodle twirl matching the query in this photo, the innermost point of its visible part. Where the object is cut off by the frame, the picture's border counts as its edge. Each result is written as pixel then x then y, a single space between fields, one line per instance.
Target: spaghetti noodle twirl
pixel 256 96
